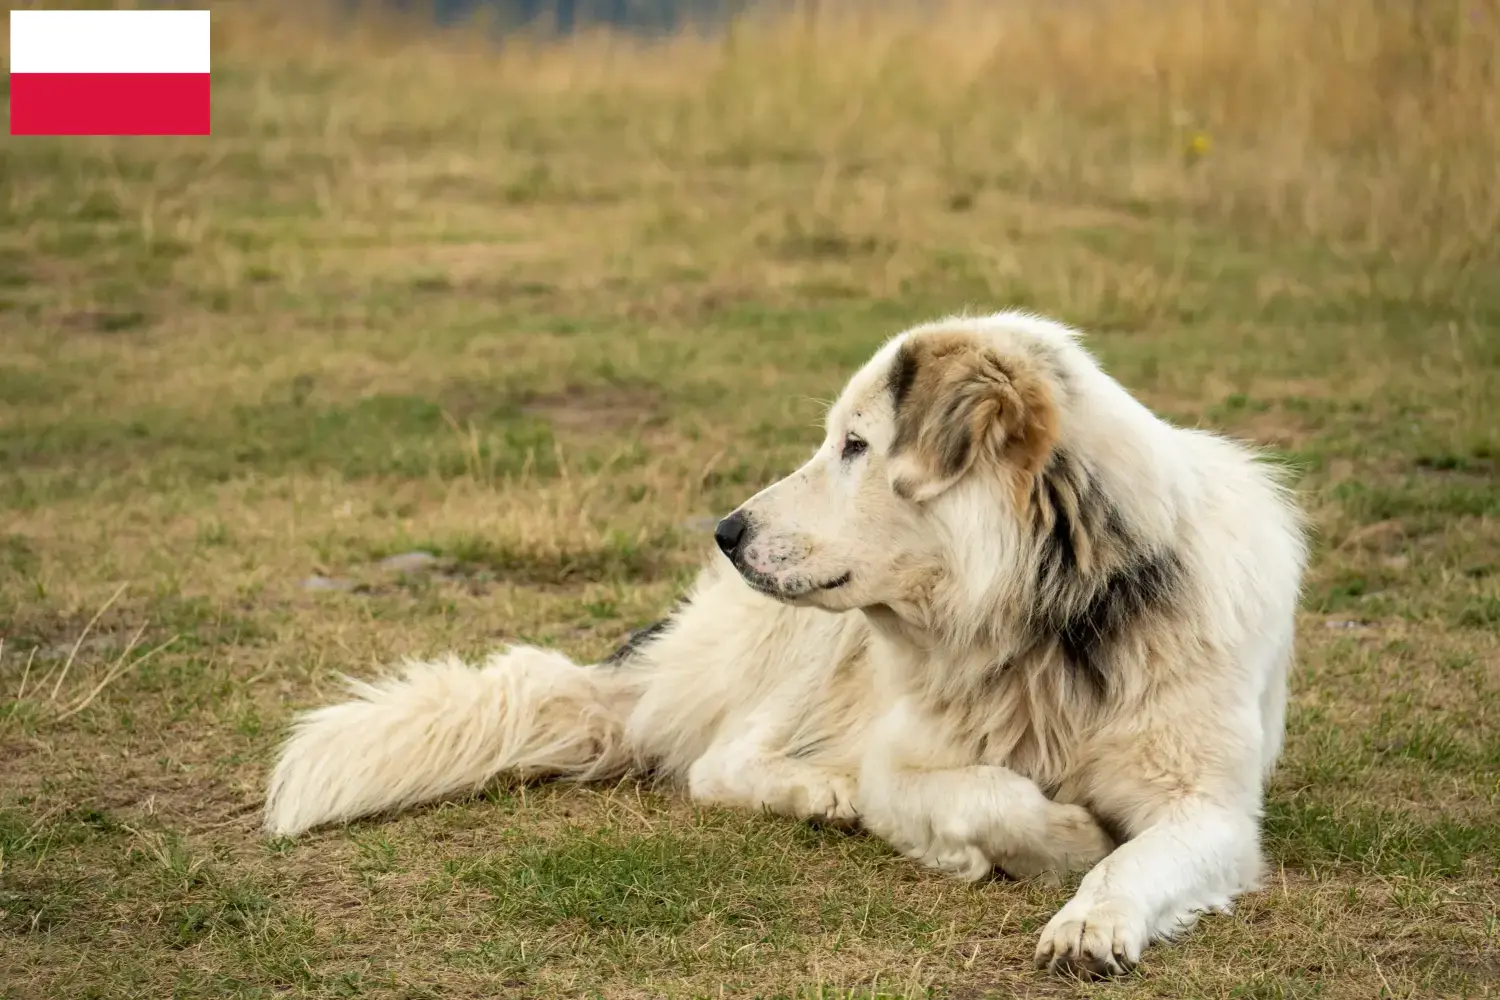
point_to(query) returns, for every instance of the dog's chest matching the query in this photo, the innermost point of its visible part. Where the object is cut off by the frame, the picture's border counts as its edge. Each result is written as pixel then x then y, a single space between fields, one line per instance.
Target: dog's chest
pixel 1022 714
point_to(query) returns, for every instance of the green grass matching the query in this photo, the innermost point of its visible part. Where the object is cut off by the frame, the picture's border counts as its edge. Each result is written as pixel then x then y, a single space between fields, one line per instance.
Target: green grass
pixel 545 314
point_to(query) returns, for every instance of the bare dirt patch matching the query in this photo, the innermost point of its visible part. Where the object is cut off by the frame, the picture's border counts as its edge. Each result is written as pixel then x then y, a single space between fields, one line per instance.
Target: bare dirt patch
pixel 582 409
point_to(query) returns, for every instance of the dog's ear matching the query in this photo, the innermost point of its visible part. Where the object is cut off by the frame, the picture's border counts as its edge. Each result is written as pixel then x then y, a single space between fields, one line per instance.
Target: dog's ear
pixel 958 403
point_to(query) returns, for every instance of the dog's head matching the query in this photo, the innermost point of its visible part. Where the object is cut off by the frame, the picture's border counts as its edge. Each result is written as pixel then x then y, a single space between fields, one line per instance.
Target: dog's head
pixel 932 441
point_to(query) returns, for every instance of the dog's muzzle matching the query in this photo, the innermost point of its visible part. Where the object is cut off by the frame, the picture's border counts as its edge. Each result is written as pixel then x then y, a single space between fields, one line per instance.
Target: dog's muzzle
pixel 731 534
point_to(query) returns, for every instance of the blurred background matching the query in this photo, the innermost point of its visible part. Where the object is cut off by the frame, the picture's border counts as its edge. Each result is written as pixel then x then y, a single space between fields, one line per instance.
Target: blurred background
pixel 565 17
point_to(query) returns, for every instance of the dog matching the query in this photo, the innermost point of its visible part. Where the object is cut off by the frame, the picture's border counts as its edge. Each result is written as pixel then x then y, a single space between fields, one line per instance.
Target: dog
pixel 1004 618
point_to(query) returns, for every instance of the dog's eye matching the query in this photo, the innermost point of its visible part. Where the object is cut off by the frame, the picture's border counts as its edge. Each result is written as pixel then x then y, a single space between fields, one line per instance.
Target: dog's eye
pixel 854 446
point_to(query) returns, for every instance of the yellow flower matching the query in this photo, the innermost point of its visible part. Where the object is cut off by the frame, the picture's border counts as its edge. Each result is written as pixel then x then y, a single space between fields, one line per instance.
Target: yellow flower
pixel 1199 144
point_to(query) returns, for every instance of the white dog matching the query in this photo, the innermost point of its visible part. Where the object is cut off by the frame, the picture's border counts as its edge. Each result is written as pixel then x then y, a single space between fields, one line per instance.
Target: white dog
pixel 1004 617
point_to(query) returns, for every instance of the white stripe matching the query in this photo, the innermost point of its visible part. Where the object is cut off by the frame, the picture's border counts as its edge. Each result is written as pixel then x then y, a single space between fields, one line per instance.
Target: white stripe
pixel 109 41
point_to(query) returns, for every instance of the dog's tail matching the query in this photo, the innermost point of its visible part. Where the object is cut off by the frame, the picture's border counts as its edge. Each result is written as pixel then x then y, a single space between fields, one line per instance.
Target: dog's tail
pixel 443 727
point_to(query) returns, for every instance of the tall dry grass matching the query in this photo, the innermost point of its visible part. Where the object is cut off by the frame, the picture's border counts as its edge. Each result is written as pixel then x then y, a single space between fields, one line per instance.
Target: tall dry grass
pixel 1374 123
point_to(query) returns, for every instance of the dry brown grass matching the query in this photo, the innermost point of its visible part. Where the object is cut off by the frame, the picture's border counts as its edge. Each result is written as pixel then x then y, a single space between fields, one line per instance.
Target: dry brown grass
pixel 1371 122
pixel 544 310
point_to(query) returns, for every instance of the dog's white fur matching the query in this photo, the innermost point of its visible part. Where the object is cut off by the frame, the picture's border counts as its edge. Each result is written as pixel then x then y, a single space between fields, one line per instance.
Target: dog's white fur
pixel 1053 614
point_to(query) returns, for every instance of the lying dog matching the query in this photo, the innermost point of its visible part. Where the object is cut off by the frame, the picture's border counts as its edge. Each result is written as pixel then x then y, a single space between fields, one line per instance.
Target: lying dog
pixel 1004 617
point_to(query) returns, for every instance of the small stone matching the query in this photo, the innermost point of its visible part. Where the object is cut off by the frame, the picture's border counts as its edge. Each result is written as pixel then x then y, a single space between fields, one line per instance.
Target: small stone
pixel 326 583
pixel 408 562
pixel 1343 623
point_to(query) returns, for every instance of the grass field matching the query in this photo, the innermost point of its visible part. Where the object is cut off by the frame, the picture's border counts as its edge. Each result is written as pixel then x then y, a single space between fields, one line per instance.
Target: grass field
pixel 544 312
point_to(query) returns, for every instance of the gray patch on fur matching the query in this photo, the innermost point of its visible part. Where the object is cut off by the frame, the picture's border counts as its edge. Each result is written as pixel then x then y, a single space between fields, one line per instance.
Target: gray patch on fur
pixel 643 637
pixel 1096 581
pixel 903 373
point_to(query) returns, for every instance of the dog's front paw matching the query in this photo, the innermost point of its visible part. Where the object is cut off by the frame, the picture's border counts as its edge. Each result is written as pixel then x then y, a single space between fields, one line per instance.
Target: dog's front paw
pixel 1078 839
pixel 949 855
pixel 827 799
pixel 1093 941
pixel 1074 841
pixel 958 859
pixel 945 850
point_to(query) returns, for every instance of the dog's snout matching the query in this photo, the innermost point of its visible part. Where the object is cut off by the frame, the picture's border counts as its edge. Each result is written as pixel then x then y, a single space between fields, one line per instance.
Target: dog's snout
pixel 730 532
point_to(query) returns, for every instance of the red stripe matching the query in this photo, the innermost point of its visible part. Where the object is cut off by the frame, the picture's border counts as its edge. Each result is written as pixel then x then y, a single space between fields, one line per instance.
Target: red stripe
pixel 109 104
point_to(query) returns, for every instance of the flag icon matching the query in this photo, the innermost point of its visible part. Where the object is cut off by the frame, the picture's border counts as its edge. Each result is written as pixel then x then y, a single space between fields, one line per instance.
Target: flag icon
pixel 109 72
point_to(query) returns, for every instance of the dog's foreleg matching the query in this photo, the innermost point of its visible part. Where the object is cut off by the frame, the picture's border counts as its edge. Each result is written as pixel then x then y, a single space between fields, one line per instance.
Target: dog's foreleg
pixel 744 771
pixel 967 819
pixel 1195 858
pixel 1186 789
pixel 781 785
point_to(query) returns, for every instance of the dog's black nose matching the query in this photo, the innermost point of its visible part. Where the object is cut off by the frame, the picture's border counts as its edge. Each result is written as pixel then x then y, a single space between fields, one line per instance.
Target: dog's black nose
pixel 730 532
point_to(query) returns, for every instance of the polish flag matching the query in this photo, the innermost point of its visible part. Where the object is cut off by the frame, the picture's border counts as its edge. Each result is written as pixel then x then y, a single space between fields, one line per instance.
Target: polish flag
pixel 109 72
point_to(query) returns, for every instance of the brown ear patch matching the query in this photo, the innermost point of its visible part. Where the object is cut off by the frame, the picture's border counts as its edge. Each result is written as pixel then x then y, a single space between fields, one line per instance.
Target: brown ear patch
pixel 957 401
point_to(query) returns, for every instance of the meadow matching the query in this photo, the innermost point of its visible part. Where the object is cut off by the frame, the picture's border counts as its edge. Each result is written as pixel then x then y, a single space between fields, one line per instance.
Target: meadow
pixel 544 310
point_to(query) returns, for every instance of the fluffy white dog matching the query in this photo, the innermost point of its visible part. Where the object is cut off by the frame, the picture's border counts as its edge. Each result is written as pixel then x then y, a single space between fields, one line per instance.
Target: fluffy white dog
pixel 1005 617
